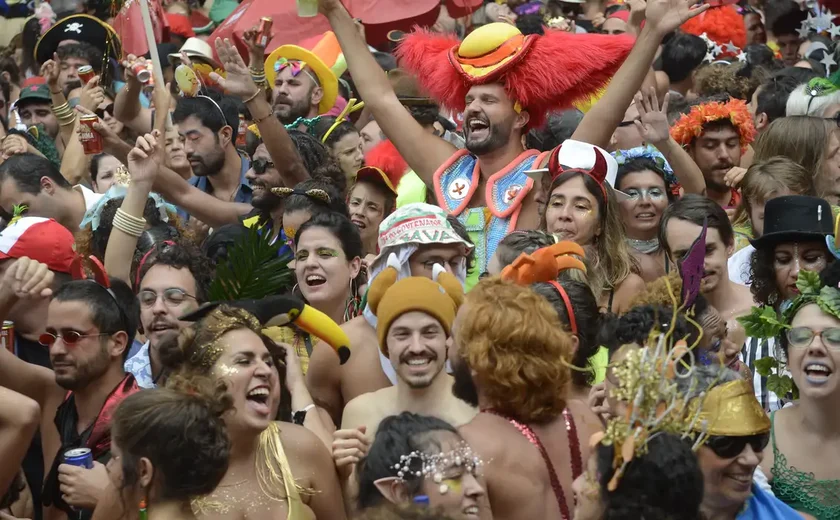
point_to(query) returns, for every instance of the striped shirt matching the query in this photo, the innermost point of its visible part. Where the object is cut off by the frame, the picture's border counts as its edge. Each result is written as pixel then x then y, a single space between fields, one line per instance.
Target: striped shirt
pixel 755 349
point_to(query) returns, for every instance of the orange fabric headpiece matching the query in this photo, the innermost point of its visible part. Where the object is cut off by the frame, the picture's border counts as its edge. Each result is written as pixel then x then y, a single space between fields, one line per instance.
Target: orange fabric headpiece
pixel 690 126
pixel 545 264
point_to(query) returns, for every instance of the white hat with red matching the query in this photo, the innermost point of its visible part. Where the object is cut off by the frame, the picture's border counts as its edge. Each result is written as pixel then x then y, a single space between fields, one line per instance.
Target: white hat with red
pixel 41 239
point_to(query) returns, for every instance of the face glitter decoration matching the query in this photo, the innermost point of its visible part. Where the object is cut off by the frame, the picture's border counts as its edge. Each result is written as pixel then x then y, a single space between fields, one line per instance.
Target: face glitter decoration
pixel 227 371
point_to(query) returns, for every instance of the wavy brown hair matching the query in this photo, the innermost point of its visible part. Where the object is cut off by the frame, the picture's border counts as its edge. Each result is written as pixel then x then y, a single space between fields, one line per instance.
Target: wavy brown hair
pixel 183 354
pixel 609 259
pixel 513 340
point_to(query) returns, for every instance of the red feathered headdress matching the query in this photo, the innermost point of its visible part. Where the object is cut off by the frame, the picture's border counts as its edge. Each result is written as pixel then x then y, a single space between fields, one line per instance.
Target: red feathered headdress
pixel 539 73
pixel 723 25
pixel 383 165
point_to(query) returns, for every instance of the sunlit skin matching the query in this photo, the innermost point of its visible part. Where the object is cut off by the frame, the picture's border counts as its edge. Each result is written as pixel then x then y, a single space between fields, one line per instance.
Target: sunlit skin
pixel 727 482
pixel 105 176
pixel 323 270
pixel 367 210
pixel 716 152
pixel 295 96
pixel 791 258
pixel 572 212
pixel 348 152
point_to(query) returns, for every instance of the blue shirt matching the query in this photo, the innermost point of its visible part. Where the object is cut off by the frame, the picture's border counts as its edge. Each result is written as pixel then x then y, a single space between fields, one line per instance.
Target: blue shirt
pixel 243 194
pixel 764 506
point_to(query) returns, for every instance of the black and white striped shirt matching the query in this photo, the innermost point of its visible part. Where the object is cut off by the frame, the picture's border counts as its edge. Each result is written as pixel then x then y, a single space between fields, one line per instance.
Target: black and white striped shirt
pixel 755 349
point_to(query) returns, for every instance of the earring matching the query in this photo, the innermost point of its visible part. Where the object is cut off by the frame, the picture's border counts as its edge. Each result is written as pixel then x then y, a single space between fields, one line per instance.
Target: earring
pixel 354 303
pixel 142 514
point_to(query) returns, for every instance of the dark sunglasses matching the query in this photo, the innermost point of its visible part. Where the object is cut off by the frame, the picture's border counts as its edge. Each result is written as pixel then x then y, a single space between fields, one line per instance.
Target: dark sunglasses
pixel 71 337
pixel 727 447
pixel 627 123
pixel 100 112
pixel 261 165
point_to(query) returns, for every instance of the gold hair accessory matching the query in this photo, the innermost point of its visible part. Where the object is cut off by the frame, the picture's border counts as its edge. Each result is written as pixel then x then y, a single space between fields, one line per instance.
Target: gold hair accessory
pixel 217 324
pixel 320 195
pixel 351 107
pixel 282 191
pixel 731 409
pixel 648 386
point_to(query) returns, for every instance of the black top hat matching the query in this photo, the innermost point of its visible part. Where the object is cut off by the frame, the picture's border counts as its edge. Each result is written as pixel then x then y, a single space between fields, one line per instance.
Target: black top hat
pixel 795 218
pixel 81 28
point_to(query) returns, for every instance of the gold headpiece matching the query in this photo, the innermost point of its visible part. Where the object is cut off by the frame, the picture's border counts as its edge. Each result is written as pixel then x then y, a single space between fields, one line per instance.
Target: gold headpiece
pixel 730 409
pixel 317 194
pixel 206 347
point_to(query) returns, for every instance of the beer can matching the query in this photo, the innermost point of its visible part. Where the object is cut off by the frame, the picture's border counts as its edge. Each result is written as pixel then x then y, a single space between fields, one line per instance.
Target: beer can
pixel 86 73
pixel 242 133
pixel 141 72
pixel 80 457
pixel 90 138
pixel 7 336
pixel 264 35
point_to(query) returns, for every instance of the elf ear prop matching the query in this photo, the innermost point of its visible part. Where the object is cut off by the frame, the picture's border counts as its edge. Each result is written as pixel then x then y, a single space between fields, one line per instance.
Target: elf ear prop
pixel 545 264
pixel 392 489
pixel 692 266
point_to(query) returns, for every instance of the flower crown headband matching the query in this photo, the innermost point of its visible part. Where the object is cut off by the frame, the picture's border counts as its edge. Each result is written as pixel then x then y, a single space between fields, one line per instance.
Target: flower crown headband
pixel 647 151
pixel 93 216
pixel 690 126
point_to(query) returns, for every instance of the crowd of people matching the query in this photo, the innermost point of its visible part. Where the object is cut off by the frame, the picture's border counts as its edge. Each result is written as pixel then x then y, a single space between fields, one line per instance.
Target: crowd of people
pixel 551 259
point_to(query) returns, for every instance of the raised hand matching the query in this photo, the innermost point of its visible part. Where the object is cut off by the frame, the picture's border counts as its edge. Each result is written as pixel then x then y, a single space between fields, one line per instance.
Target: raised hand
pixel 348 448
pixel 637 13
pixel 256 52
pixel 144 159
pixel 50 70
pixel 734 176
pixel 128 66
pixel 665 16
pixel 109 137
pixel 238 81
pixel 13 144
pixel 92 95
pixel 653 119
pixel 27 278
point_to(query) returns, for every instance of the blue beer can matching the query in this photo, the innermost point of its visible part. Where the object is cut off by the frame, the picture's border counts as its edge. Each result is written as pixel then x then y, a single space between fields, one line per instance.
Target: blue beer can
pixel 81 457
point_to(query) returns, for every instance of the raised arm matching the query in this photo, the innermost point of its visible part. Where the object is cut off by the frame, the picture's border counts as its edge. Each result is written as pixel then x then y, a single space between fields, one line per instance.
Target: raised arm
pixel 424 152
pixel 654 129
pixel 127 108
pixel 238 82
pixel 19 419
pixel 663 16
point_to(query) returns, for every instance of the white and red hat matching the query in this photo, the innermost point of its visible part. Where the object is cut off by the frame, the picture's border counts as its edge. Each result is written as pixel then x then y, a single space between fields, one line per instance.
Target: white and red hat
pixel 41 239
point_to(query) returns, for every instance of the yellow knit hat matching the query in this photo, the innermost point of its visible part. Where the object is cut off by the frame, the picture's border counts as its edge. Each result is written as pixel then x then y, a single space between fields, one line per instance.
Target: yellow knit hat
pixel 389 299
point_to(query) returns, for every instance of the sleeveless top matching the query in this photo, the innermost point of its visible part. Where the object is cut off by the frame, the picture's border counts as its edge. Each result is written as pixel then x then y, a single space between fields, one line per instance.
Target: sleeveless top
pixel 801 490
pixel 455 184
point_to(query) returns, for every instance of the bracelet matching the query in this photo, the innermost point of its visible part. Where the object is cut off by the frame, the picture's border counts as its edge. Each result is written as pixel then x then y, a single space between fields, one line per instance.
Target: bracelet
pixel 129 224
pixel 263 118
pixel 68 122
pixel 257 93
pixel 56 93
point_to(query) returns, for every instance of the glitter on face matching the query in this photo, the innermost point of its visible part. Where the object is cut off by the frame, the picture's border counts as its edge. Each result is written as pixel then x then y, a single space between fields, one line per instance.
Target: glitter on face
pixel 227 371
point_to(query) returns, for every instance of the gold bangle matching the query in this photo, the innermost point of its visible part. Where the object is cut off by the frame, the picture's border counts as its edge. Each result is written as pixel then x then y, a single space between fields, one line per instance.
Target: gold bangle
pixel 257 93
pixel 263 118
pixel 56 93
pixel 67 123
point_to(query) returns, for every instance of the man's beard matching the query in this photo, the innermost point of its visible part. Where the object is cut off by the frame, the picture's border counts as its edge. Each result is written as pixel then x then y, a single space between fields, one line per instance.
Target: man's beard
pixel 288 114
pixel 208 165
pixel 86 372
pixel 498 136
pixel 464 387
pixel 267 201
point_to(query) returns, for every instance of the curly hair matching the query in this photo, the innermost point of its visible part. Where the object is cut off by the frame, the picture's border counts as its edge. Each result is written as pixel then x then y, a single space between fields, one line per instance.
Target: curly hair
pixel 635 326
pixel 763 277
pixel 178 255
pixel 181 354
pixel 719 79
pixel 611 262
pixel 298 201
pixel 90 242
pixel 665 483
pixel 513 340
pixel 587 318
pixel 180 430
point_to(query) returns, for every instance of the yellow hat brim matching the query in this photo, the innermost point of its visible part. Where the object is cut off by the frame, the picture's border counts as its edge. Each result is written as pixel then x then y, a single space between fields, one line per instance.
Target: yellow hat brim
pixel 329 83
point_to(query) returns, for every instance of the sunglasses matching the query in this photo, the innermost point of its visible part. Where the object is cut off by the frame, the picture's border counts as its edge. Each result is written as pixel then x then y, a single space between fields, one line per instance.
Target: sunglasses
pixel 627 123
pixel 727 447
pixel 100 112
pixel 71 337
pixel 261 165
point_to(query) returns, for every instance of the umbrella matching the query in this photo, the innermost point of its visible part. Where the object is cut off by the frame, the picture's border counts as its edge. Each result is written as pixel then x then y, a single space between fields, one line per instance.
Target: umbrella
pixel 378 16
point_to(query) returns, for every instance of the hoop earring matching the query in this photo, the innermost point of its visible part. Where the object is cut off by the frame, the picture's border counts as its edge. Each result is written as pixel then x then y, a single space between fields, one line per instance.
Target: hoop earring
pixel 354 303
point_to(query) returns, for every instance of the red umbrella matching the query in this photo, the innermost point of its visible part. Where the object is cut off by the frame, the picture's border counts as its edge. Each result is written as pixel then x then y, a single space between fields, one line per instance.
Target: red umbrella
pixel 378 16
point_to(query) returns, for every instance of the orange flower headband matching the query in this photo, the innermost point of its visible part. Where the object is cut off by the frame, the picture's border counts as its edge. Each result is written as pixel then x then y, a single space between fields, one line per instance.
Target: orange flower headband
pixel 690 126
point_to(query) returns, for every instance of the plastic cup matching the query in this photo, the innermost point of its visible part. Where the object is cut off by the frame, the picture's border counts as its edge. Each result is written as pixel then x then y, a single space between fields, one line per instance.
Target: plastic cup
pixel 307 8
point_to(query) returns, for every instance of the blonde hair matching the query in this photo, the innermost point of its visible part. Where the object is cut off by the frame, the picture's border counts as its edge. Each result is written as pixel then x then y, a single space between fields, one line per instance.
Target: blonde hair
pixel 513 339
pixel 801 139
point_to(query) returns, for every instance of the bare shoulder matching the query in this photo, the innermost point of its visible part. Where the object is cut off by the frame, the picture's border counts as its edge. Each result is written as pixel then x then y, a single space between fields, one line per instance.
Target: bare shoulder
pixel 300 444
pixel 632 285
pixel 745 300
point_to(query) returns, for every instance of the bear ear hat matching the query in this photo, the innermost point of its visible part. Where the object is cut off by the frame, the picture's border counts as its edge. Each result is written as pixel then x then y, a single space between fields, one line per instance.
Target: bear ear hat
pixel 449 283
pixel 383 282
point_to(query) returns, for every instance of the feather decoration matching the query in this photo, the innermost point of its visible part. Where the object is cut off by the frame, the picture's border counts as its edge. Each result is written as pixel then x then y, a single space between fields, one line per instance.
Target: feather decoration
pixel 254 269
pixel 387 158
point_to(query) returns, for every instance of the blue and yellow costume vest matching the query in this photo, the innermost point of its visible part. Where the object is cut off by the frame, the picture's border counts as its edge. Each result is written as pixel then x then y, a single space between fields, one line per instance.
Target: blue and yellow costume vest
pixel 455 184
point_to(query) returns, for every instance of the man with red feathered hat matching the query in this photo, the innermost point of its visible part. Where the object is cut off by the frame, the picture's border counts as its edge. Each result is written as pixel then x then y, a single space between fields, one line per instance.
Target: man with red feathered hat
pixel 504 83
